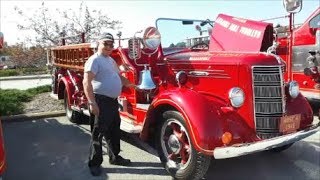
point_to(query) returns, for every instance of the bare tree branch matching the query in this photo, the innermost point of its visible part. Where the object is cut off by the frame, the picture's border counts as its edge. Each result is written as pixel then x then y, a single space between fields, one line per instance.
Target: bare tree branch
pixel 49 30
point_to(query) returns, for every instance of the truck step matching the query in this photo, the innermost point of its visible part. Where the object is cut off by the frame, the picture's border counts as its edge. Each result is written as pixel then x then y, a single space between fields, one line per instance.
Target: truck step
pixel 128 126
pixel 143 106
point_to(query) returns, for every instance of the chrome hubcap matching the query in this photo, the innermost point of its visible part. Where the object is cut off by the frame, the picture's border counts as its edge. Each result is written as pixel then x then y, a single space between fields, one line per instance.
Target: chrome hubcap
pixel 174 144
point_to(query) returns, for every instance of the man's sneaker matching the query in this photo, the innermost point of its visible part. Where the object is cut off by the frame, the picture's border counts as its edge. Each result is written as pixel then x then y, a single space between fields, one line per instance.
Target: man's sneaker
pixel 95 170
pixel 120 161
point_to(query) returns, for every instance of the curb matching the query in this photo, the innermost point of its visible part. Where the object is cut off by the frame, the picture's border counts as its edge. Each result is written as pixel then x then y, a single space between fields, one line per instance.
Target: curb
pixel 42 76
pixel 31 116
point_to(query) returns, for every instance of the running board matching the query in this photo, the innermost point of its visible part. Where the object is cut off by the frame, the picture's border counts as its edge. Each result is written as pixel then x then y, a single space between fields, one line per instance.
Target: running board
pixel 128 126
pixel 143 106
pixel 126 123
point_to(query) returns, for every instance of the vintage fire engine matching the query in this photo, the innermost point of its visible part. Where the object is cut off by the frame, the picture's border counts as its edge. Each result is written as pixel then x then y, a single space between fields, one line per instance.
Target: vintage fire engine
pixel 299 46
pixel 221 99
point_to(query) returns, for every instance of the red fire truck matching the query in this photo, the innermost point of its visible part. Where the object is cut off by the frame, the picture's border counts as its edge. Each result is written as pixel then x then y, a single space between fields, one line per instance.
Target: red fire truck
pixel 299 46
pixel 2 150
pixel 221 98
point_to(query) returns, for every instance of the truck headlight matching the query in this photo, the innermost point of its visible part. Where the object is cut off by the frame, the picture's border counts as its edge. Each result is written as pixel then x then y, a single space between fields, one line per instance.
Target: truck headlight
pixel 294 89
pixel 236 96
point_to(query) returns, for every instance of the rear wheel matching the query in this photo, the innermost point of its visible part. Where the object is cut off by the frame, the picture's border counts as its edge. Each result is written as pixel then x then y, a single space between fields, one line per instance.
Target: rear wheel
pixel 176 151
pixel 73 116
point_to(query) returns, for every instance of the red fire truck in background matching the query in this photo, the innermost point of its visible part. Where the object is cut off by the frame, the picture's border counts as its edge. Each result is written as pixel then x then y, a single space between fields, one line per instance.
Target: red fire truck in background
pixel 299 46
pixel 1 40
pixel 221 98
pixel 2 150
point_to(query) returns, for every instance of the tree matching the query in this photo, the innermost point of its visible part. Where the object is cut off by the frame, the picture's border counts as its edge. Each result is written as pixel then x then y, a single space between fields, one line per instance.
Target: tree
pixel 171 45
pixel 22 56
pixel 181 44
pixel 50 29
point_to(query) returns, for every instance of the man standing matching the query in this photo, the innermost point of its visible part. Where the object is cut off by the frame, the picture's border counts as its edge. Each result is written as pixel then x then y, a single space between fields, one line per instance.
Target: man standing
pixel 102 85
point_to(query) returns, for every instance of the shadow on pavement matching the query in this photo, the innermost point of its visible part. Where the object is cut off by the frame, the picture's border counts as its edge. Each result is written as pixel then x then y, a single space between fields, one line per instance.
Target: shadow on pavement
pixel 46 149
pixel 50 149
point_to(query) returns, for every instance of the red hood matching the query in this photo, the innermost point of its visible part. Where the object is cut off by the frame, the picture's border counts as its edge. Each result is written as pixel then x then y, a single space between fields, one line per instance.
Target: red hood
pixel 226 58
pixel 236 34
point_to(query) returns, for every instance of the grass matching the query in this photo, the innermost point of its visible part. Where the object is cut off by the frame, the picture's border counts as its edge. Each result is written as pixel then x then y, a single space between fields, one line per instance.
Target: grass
pixel 11 100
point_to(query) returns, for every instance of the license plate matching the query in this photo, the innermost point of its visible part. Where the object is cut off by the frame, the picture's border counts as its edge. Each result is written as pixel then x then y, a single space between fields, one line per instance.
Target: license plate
pixel 290 123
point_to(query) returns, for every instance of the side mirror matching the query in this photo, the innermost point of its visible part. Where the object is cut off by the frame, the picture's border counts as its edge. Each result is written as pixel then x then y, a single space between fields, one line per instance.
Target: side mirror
pixel 291 6
pixel 151 38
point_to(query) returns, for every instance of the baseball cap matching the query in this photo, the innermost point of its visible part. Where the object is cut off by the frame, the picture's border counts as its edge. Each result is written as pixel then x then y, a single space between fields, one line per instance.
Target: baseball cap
pixel 106 37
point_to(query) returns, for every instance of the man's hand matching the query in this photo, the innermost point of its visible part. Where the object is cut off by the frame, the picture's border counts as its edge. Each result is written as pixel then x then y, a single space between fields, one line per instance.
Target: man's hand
pixel 137 88
pixel 94 109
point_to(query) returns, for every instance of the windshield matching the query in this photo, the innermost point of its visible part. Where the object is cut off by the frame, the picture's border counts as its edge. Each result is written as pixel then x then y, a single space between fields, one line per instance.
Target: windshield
pixel 179 34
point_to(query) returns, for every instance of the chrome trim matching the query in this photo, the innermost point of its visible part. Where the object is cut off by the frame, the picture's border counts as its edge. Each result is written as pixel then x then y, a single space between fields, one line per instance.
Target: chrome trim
pixel 206 70
pixel 311 95
pixel 219 74
pixel 199 73
pixel 249 148
pixel 269 115
pixel 283 91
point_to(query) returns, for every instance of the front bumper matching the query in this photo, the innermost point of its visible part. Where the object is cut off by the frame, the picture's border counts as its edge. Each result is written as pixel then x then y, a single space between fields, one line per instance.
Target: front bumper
pixel 249 148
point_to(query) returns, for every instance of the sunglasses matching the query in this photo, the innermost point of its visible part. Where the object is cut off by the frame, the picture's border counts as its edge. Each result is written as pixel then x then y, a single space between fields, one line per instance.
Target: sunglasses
pixel 108 44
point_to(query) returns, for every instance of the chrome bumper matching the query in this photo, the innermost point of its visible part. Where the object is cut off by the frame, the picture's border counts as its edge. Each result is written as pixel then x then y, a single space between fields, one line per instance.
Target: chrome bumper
pixel 249 148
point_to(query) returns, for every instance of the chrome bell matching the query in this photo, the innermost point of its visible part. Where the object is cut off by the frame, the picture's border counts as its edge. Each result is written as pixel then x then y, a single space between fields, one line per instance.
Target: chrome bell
pixel 145 81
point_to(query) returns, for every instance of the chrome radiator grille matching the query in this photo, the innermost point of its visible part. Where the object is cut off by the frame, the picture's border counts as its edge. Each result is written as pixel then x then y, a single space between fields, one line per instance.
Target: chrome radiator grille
pixel 268 100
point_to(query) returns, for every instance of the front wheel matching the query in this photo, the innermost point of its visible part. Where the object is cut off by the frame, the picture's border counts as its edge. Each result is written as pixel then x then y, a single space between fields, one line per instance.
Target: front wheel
pixel 176 151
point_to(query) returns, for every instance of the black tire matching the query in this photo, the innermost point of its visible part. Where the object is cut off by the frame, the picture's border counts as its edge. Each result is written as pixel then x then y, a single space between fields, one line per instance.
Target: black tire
pixel 73 116
pixel 176 150
pixel 280 149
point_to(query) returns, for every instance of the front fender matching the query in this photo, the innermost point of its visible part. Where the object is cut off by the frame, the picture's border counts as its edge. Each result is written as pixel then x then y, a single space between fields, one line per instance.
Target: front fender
pixel 300 105
pixel 202 114
pixel 65 84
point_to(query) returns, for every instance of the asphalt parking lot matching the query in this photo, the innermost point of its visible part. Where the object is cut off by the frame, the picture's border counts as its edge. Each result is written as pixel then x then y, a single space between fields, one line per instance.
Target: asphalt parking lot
pixel 53 148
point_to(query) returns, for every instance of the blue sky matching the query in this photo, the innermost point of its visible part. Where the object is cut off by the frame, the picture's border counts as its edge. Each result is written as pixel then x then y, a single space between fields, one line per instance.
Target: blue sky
pixel 137 15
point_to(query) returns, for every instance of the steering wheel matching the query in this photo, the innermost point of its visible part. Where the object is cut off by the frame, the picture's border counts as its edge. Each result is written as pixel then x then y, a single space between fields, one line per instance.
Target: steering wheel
pixel 201 45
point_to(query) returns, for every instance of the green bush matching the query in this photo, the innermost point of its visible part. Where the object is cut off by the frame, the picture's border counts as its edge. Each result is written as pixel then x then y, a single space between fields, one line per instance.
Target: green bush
pixel 34 70
pixel 11 100
pixel 9 72
pixel 23 71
